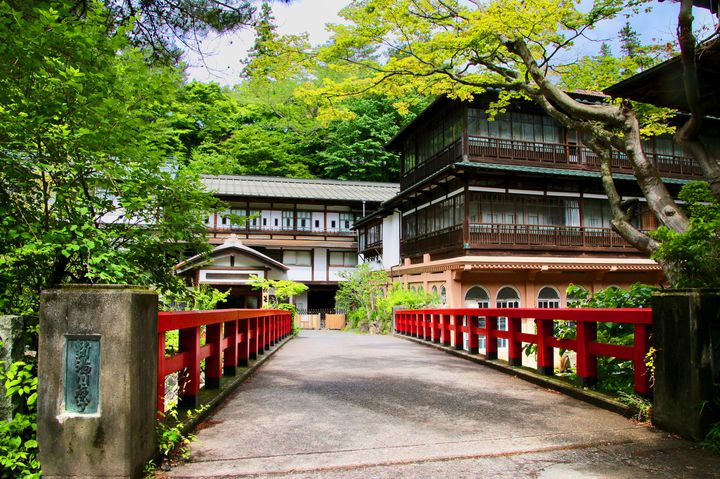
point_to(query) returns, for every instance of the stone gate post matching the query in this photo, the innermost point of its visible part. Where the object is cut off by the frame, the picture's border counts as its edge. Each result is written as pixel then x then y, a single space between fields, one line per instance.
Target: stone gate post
pixel 97 381
pixel 686 337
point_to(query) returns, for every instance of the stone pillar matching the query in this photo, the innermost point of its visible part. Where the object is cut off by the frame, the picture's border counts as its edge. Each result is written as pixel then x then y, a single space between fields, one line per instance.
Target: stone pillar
pixel 686 336
pixel 97 389
pixel 11 350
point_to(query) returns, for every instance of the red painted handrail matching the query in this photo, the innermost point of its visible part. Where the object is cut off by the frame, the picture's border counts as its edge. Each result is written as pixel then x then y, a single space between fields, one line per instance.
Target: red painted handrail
pixel 233 337
pixel 439 325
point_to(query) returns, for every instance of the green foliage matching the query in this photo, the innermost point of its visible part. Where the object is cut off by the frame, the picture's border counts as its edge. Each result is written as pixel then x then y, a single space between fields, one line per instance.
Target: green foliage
pixel 18 444
pixel 89 189
pixel 276 291
pixel 358 294
pixel 199 297
pixel 399 295
pixel 694 254
pixel 637 296
pixel 354 146
pixel 362 294
pixel 172 441
pixel 614 375
pixel 642 407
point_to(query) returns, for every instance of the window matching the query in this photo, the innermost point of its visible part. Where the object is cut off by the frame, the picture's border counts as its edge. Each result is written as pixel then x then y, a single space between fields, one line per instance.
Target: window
pixel 297 258
pixel 343 258
pixel 507 297
pixel 347 220
pixel 477 297
pixel 254 219
pixel 288 221
pixel 443 295
pixel 548 297
pixel 303 220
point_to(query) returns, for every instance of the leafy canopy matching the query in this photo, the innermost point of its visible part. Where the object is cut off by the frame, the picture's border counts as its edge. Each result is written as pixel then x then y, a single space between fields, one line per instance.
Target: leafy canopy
pixel 89 187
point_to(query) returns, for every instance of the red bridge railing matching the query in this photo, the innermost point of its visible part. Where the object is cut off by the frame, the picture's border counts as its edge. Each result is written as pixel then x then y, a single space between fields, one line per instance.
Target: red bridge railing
pixel 232 338
pixel 440 325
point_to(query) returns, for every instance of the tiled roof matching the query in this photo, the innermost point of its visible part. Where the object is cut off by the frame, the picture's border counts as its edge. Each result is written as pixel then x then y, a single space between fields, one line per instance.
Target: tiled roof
pixel 298 188
pixel 557 171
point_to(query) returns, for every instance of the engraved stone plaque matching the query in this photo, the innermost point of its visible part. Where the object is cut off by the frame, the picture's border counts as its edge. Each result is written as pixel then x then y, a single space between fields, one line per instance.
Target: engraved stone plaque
pixel 82 374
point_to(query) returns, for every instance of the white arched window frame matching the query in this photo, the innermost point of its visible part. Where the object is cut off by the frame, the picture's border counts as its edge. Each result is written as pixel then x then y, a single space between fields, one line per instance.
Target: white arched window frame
pixel 476 297
pixel 548 297
pixel 507 297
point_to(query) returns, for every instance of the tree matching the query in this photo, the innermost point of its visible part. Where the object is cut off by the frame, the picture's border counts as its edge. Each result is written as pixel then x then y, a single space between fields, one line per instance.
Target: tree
pixel 462 49
pixel 276 291
pixel 89 189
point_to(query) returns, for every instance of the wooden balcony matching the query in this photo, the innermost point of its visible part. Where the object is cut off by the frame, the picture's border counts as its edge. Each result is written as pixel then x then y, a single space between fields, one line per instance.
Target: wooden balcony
pixel 427 168
pixel 546 237
pixel 281 233
pixel 437 241
pixel 512 237
pixel 570 156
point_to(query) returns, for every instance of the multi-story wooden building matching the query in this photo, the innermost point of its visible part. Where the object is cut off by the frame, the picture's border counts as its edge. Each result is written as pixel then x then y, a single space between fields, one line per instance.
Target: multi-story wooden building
pixel 283 228
pixel 510 211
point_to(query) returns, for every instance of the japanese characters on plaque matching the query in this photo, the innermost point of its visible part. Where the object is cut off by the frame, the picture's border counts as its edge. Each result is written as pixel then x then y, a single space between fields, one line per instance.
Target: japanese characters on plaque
pixel 82 374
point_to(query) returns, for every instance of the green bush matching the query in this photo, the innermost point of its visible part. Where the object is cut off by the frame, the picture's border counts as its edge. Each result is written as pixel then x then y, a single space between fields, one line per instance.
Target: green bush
pixel 615 376
pixel 693 256
pixel 18 443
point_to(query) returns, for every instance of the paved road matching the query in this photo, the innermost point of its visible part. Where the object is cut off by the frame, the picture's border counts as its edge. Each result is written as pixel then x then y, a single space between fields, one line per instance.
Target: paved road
pixel 333 404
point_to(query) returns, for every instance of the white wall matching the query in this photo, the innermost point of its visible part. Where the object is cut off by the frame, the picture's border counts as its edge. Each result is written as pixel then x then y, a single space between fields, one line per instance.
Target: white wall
pixel 320 264
pixel 391 240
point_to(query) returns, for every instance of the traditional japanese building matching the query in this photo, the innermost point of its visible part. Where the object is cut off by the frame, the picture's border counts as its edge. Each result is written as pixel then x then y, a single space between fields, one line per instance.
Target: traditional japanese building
pixel 283 228
pixel 510 211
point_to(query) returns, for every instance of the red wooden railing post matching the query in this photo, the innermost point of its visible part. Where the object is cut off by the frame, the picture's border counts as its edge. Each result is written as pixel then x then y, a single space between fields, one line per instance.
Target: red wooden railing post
pixel 435 320
pixel 445 330
pixel 253 337
pixel 213 364
pixel 457 331
pixel 161 374
pixel 190 379
pixel 230 358
pixel 427 333
pixel 514 344
pixel 545 363
pixel 641 344
pixel 491 347
pixel 414 329
pixel 473 334
pixel 243 354
pixel 586 361
pixel 273 323
pixel 260 332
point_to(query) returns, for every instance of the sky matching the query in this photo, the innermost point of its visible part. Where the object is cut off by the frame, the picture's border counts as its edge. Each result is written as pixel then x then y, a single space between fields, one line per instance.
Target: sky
pixel 222 57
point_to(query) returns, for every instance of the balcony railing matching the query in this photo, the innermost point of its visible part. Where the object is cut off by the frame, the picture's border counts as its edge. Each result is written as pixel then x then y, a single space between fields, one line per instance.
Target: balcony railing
pixel 575 156
pixel 444 239
pixel 484 234
pixel 281 231
pixel 425 169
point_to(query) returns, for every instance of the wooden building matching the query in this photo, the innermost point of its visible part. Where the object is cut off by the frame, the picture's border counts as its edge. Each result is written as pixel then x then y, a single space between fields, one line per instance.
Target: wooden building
pixel 283 228
pixel 510 211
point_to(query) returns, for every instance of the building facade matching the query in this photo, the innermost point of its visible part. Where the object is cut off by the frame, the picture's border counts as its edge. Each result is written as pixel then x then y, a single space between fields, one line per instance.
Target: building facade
pixel 507 212
pixel 283 228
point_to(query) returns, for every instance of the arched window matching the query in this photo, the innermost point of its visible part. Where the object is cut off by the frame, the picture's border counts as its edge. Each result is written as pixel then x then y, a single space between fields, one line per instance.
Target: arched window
pixel 508 297
pixel 477 297
pixel 434 291
pixel 548 297
pixel 443 295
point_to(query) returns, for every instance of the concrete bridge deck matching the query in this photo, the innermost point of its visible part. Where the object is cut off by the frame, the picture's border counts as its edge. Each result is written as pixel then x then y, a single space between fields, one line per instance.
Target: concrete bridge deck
pixel 333 404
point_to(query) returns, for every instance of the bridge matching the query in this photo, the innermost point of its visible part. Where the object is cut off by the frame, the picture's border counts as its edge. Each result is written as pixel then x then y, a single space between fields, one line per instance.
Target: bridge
pixel 332 404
